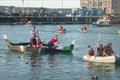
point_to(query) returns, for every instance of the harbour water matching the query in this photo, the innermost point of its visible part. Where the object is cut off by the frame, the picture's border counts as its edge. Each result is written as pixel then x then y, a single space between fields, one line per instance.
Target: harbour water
pixel 36 66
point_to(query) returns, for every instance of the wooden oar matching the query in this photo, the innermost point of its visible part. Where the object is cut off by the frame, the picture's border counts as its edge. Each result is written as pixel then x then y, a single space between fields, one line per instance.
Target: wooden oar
pixel 98 40
pixel 99 35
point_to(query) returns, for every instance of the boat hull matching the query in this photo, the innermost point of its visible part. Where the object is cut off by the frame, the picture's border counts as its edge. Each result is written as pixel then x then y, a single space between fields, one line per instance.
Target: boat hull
pixel 102 25
pixel 16 47
pixel 65 49
pixel 24 47
pixel 100 59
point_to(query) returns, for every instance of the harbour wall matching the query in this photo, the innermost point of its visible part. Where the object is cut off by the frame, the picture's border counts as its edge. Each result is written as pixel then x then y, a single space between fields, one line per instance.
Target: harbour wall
pixel 51 20
pixel 47 20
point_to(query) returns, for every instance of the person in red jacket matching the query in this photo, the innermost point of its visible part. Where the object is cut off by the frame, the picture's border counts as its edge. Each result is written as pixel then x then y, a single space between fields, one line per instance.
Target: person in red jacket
pixel 90 51
pixel 53 40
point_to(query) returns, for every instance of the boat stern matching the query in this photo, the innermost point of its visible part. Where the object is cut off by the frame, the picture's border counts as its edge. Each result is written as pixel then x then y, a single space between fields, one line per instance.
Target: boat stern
pixel 70 47
pixel 72 44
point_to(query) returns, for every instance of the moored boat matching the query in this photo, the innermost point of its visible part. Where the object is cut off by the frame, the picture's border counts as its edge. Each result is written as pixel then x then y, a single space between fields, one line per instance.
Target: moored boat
pixel 102 22
pixel 100 59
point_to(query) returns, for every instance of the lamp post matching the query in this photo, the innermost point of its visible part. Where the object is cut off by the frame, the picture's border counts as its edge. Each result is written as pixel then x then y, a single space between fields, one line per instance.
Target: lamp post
pixel 86 2
pixel 22 6
pixel 42 3
pixel 62 5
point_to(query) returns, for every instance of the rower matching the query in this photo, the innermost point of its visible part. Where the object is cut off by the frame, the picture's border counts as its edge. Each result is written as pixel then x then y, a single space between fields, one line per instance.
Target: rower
pixel 100 50
pixel 35 39
pixel 94 78
pixel 33 42
pixel 108 50
pixel 39 42
pixel 84 29
pixel 90 51
pixel 60 29
pixel 53 40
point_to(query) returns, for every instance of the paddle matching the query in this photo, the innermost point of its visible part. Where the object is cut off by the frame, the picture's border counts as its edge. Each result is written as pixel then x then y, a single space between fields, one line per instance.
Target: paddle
pixel 5 37
pixel 119 32
pixel 99 37
pixel 59 41
pixel 98 40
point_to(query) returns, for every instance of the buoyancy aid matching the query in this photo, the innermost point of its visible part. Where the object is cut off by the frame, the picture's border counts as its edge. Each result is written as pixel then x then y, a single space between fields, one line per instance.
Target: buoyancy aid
pixel 91 52
pixel 53 40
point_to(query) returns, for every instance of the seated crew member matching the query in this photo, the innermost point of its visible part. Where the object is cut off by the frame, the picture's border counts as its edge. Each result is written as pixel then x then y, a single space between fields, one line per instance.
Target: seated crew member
pixel 108 50
pixel 84 29
pixel 39 43
pixel 60 29
pixel 34 32
pixel 52 41
pixel 100 50
pixel 34 40
pixel 90 51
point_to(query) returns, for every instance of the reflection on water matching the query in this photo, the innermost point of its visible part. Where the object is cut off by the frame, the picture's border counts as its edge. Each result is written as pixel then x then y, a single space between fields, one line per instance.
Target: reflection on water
pixel 35 61
pixel 103 71
pixel 53 66
pixel 105 66
pixel 97 69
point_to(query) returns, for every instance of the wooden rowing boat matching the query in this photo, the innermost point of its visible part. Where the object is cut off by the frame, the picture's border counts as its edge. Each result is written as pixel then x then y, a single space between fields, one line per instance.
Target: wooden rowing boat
pixel 26 47
pixel 20 47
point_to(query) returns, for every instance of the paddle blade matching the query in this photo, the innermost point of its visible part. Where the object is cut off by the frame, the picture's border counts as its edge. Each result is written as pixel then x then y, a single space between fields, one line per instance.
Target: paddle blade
pixel 119 32
pixel 5 37
pixel 73 42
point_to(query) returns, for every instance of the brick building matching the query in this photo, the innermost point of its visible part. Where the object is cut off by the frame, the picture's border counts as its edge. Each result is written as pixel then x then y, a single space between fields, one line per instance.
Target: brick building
pixel 109 6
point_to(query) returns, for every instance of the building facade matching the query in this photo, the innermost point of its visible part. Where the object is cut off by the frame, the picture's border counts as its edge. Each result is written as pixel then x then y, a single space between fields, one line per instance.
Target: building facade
pixel 109 6
pixel 116 7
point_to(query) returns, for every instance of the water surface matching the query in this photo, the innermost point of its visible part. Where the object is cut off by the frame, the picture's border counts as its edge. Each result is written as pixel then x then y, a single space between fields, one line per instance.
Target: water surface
pixel 34 66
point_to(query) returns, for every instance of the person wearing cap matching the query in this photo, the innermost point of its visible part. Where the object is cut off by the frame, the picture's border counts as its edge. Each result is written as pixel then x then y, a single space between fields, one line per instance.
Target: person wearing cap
pixel 90 51
pixel 53 39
